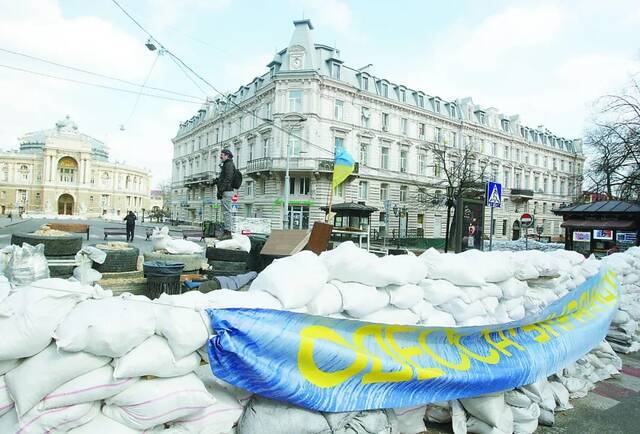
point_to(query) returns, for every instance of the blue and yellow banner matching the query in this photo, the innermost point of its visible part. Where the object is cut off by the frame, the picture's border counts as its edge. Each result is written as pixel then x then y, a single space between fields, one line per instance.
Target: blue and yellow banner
pixel 343 166
pixel 336 365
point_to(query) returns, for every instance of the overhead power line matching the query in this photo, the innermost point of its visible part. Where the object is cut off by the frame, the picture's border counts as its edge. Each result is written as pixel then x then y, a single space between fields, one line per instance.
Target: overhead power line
pixel 102 86
pixel 227 97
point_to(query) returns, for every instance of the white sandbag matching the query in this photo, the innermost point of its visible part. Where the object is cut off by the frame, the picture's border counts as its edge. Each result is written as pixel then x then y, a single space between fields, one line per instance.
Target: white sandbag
pixel 213 384
pixel 462 311
pixel 487 408
pixel 58 419
pixel 218 418
pixel 349 263
pixel 29 318
pixel 505 424
pixel 392 315
pixel 525 420
pixel 490 304
pixel 6 402
pixel 108 327
pixel 9 422
pixel 406 268
pixel 404 296
pixel 476 321
pixel 226 298
pixel 423 309
pixel 7 365
pixel 490 266
pixel 153 402
pixel 360 300
pixel 327 301
pixel 438 412
pixel 546 418
pixel 237 242
pixel 28 383
pixel 95 385
pixel 102 424
pixel 437 292
pixel 177 246
pixel 411 419
pixel 154 357
pixel 513 303
pixel 517 313
pixel 193 331
pixel 516 398
pixel 294 280
pixel 263 415
pixel 453 268
pixel 513 288
pixel 458 417
pixel 439 319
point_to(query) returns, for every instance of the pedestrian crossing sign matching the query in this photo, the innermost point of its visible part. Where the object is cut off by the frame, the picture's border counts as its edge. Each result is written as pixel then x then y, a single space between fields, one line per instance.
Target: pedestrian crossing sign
pixel 494 194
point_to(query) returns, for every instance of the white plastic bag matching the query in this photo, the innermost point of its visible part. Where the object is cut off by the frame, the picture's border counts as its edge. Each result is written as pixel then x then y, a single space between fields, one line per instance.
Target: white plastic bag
pixel 6 402
pixel 153 402
pixel 411 419
pixel 93 386
pixel 108 327
pixel 193 330
pixel 58 419
pixel 102 424
pixel 437 292
pixel 360 300
pixel 327 302
pixel 405 296
pixel 237 242
pixel 218 418
pixel 154 357
pixel 392 315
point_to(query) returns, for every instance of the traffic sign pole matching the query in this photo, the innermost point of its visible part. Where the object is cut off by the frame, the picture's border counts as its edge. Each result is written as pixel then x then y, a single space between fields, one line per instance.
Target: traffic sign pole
pixel 491 231
pixel 493 198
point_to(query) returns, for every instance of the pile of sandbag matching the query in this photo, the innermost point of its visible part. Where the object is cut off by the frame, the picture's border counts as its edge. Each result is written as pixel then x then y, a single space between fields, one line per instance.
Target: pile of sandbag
pixel 176 246
pixel 522 244
pixel 624 333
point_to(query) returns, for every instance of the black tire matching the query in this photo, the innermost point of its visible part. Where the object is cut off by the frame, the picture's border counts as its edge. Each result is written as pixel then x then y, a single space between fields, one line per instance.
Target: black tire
pixel 228 266
pixel 226 255
pixel 118 261
pixel 53 246
pixel 62 271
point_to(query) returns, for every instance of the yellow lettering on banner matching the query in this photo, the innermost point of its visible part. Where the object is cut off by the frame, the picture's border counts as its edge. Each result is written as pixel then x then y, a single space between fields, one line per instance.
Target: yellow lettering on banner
pixel 492 358
pixel 542 336
pixel 547 326
pixel 463 365
pixel 376 374
pixel 308 367
pixel 407 353
pixel 503 344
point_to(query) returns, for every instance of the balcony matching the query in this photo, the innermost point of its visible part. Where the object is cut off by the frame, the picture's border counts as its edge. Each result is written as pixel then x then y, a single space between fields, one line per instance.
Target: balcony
pixel 199 179
pixel 521 194
pixel 265 165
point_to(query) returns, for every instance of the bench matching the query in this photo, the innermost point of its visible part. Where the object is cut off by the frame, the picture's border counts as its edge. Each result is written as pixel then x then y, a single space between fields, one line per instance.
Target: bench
pixel 77 228
pixel 198 233
pixel 114 231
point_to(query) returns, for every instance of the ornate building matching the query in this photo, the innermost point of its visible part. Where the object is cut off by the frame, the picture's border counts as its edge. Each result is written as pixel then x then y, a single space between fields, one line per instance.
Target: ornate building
pixel 62 171
pixel 392 131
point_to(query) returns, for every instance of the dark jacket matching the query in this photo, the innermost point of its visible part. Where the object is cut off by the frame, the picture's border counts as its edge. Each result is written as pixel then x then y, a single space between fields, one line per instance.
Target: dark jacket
pixel 225 181
pixel 130 219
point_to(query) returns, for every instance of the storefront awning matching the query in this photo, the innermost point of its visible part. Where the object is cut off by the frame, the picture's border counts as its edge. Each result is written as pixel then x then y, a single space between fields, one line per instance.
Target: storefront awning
pixel 599 224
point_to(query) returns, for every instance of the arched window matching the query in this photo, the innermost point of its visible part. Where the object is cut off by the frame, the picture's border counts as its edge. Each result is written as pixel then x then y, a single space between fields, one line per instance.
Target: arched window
pixel 67 168
pixel 127 183
pixel 105 178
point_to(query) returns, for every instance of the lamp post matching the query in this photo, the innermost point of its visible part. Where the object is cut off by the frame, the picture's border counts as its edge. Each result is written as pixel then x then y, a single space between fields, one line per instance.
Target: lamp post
pixel 399 212
pixel 292 123
pixel 142 215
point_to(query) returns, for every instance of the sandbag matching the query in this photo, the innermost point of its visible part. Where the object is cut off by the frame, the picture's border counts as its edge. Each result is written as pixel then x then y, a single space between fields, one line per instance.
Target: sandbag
pixel 148 403
pixel 411 419
pixel 363 422
pixel 462 311
pixel 108 327
pixel 438 292
pixel 102 424
pixel 58 419
pixel 487 408
pixel 226 298
pixel 9 422
pixel 218 418
pixel 95 385
pixel 154 357
pixel 360 300
pixel 177 246
pixel 213 384
pixel 237 242
pixel 193 331
pixel 263 415
pixel 6 402
pixel 392 315
pixel 439 319
pixel 438 412
pixel 453 268
pixel 327 301
pixel 404 296
pixel 513 288
pixel 294 280
pixel 525 420
pixel 458 417
pixel 423 309
pixel 28 383
pixel 7 365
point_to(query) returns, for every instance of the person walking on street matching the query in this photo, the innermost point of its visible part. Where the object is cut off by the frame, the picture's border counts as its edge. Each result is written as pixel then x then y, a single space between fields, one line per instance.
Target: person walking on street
pixel 225 185
pixel 130 218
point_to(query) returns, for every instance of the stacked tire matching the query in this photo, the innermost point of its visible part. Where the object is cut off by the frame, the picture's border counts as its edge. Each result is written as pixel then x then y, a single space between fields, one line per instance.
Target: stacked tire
pixel 55 247
pixel 226 262
pixel 118 260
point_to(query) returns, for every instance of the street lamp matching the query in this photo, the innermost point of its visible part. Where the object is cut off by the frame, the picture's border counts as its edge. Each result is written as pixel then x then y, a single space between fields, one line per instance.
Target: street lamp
pixel 142 215
pixel 399 212
pixel 298 120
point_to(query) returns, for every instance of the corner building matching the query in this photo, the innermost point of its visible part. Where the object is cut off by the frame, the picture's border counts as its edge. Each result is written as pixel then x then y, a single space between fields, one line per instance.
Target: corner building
pixel 62 171
pixel 388 128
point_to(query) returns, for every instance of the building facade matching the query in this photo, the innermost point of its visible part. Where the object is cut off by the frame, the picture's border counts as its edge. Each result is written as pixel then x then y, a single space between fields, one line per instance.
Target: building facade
pixel 62 171
pixel 310 101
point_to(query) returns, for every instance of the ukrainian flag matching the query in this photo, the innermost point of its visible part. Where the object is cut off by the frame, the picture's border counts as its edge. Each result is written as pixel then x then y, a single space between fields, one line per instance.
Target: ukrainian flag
pixel 342 166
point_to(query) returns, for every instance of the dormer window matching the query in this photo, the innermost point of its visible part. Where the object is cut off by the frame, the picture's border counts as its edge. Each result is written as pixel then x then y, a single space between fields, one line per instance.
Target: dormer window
pixel 452 110
pixel 384 90
pixel 364 83
pixel 421 101
pixel 403 95
pixel 480 116
pixel 437 106
pixel 506 125
pixel 335 70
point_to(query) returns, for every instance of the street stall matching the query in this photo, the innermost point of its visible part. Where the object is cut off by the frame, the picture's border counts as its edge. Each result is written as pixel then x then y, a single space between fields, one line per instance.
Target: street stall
pixel 351 222
pixel 600 228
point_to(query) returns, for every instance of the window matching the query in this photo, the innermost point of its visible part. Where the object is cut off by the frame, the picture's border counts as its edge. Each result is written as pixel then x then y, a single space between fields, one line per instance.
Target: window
pixel 506 152
pixel 404 193
pixel 403 161
pixel 384 157
pixel 481 117
pixel 504 227
pixel 421 131
pixel 385 121
pixel 335 71
pixel 545 185
pixel 562 165
pixel 339 190
pixel 295 101
pixel 338 142
pixel 437 106
pixel 363 190
pixel 536 183
pixel 403 126
pixel 439 134
pixel 292 185
pixel 526 181
pixel 421 101
pixel 546 162
pixel 384 192
pixel 265 147
pixel 518 177
pixel 536 159
pixel 365 117
pixel 24 172
pixel 3 194
pixel 555 164
pixel 67 168
pixel 422 163
pixel 526 158
pixel 338 109
pixel 506 179
pixel 267 110
pixel 22 196
pixel 518 155
pixel 365 83
pixel 364 154
pixel 385 90
pixel 494 149
pixel 303 185
pixel 437 167
pixel 452 110
pixel 454 139
pixel 562 185
pixel 104 200
pixel 554 186
pixel 403 95
pixel 251 146
pixel 294 145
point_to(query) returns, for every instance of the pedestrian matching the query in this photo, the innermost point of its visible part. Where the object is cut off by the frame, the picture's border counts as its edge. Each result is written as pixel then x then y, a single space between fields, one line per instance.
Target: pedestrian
pixel 130 218
pixel 10 216
pixel 225 186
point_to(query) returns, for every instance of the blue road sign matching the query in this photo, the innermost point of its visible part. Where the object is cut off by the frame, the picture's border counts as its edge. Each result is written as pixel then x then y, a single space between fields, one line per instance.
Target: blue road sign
pixel 494 194
pixel 234 207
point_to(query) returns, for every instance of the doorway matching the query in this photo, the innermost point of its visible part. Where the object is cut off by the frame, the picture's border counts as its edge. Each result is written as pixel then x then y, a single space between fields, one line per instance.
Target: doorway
pixel 516 230
pixel 298 217
pixel 65 204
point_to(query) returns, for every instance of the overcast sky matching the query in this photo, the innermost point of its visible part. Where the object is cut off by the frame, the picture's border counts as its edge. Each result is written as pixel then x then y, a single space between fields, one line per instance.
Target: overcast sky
pixel 545 60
